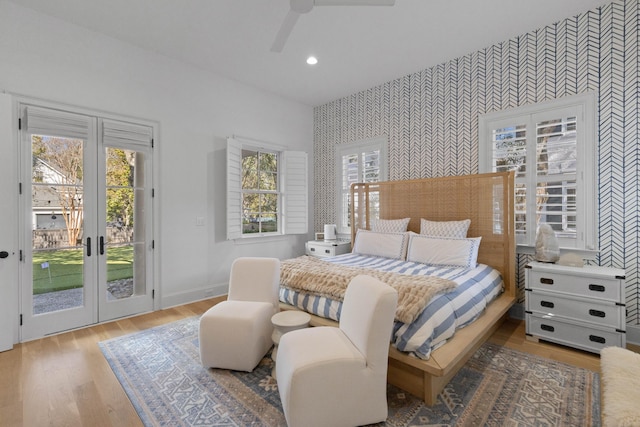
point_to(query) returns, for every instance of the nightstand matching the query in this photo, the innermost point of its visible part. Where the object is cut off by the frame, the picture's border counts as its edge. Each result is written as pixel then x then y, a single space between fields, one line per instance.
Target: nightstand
pixel 327 248
pixel 581 307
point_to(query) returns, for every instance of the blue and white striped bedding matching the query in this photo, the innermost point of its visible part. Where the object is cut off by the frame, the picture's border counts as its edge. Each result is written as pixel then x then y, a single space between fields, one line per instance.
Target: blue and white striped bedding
pixel 440 319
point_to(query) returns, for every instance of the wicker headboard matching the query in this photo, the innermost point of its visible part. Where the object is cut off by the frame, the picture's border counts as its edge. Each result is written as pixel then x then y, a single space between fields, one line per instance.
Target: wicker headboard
pixel 486 199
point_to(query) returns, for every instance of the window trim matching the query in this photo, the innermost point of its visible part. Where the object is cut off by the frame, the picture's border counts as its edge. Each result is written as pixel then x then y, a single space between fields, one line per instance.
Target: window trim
pixel 586 176
pixel 292 189
pixel 358 147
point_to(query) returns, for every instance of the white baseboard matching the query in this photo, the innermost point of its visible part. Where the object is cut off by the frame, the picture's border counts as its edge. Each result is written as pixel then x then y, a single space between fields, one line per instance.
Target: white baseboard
pixel 633 334
pixel 187 297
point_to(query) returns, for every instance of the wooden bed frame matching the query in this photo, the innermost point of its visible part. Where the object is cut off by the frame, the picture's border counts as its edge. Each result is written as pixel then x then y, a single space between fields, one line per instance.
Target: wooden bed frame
pixel 486 199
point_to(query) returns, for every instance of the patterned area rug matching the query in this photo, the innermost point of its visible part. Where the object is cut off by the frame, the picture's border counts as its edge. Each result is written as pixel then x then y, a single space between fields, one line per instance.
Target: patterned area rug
pixel 160 371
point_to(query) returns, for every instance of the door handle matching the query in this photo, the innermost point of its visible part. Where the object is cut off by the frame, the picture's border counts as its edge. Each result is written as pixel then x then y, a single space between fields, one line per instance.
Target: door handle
pixel 4 254
pixel 101 245
pixel 88 246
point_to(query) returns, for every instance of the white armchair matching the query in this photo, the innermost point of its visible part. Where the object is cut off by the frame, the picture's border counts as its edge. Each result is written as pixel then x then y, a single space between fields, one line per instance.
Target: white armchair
pixel 335 377
pixel 236 334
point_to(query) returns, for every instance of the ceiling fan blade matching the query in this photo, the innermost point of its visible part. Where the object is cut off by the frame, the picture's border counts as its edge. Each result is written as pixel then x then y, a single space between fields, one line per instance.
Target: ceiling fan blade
pixel 299 7
pixel 286 28
pixel 354 2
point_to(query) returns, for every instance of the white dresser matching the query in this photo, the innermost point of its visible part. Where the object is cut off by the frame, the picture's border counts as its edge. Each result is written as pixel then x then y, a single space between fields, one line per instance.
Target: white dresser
pixel 582 307
pixel 327 248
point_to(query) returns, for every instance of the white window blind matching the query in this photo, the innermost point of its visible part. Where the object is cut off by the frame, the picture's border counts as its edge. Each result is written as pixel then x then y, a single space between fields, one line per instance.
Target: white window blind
pixel 556 174
pixel 362 161
pixel 550 146
pixel 296 187
pixel 46 121
pixel 234 189
pixel 126 135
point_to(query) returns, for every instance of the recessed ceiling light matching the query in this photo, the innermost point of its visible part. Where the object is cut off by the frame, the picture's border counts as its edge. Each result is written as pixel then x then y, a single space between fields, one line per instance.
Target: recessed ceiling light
pixel 312 60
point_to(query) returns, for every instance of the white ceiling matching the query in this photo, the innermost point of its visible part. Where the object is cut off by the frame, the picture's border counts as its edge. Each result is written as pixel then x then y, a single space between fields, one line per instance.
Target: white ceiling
pixel 358 47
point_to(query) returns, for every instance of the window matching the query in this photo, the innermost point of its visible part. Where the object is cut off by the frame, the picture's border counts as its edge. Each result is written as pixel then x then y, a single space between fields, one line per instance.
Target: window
pixel 266 190
pixel 363 161
pixel 260 192
pixel 551 147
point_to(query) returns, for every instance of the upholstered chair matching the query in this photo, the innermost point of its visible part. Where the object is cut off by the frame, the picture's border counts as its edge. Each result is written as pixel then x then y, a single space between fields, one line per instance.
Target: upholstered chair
pixel 337 376
pixel 236 334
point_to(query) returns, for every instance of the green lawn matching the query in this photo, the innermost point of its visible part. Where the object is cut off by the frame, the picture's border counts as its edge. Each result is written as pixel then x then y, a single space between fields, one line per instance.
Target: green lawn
pixel 64 269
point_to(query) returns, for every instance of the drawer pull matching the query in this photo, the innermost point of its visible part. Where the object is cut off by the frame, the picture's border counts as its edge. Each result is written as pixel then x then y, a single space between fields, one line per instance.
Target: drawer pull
pixel 547 304
pixel 596 288
pixel 595 338
pixel 597 313
pixel 546 281
pixel 547 328
pixel 327 251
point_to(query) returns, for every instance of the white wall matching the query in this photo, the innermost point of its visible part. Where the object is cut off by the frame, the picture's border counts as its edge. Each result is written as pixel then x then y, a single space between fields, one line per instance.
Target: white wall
pixel 46 58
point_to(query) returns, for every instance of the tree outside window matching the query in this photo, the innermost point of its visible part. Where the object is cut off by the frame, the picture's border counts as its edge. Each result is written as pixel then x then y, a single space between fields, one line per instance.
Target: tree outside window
pixel 57 168
pixel 260 195
pixel 120 187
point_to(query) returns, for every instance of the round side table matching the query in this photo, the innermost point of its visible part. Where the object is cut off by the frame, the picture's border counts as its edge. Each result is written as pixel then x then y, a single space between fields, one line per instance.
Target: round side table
pixel 283 322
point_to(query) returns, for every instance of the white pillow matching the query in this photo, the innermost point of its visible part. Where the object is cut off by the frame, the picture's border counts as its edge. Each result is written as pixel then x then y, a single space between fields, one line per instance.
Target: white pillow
pixel 390 225
pixel 388 245
pixel 447 251
pixel 445 228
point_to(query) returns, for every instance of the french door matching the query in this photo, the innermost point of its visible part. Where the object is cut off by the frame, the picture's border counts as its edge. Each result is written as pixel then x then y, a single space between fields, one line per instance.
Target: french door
pixel 125 220
pixel 86 220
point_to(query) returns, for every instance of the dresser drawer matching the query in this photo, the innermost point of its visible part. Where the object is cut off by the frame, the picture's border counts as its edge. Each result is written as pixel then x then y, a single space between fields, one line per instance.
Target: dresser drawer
pixel 323 249
pixel 602 313
pixel 590 287
pixel 583 337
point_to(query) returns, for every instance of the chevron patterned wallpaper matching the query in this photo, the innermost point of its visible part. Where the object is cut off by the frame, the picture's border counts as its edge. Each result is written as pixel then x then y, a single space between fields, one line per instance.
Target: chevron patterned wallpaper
pixel 431 118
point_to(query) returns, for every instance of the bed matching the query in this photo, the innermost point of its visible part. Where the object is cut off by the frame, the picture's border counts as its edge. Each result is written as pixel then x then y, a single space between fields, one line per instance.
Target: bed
pixel 433 341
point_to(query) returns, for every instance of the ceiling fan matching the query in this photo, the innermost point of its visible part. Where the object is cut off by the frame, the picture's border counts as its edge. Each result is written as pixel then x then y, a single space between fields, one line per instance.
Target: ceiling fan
pixel 298 7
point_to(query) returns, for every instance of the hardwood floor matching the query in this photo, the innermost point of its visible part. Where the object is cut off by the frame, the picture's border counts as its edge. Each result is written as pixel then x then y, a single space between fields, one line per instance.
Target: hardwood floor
pixel 512 335
pixel 64 380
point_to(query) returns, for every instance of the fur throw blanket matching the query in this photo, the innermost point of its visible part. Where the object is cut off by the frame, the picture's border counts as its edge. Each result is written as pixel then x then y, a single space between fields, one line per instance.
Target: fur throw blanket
pixel 322 278
pixel 620 392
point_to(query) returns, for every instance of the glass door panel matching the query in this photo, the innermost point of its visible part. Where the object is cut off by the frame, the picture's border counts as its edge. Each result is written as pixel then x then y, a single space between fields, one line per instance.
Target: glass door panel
pixel 125 231
pixel 57 214
pixel 58 259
